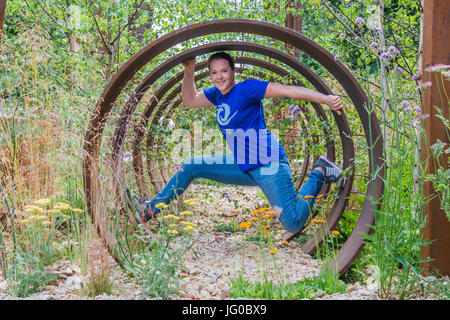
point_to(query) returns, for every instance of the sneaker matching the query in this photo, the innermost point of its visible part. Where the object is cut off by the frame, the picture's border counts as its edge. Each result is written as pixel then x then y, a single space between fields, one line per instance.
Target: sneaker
pixel 139 206
pixel 331 172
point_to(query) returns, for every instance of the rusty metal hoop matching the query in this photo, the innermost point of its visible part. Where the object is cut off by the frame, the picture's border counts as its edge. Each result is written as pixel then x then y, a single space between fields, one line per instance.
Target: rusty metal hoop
pixel 354 243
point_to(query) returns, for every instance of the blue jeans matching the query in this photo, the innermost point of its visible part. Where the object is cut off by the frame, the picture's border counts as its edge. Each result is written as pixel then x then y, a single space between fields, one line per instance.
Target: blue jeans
pixel 274 179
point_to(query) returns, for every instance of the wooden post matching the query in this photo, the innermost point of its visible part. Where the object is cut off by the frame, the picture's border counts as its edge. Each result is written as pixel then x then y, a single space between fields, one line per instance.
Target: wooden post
pixel 2 15
pixel 436 50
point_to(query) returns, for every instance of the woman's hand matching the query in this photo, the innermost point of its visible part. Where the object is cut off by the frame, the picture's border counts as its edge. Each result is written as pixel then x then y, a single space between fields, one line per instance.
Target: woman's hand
pixel 335 103
pixel 189 64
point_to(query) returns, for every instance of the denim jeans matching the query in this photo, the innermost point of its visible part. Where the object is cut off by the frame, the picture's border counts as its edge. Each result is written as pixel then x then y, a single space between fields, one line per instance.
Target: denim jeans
pixel 274 179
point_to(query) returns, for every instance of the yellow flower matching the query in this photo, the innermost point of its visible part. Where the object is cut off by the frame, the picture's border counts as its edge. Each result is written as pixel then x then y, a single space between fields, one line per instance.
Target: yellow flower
pixel 169 217
pixel 335 232
pixel 266 233
pixel 173 225
pixel 186 213
pixel 77 210
pixel 161 205
pixel 47 223
pixel 320 196
pixel 284 242
pixel 174 232
pixel 62 206
pixel 31 209
pixel 229 215
pixel 245 225
pixel 253 219
pixel 263 209
pixel 189 228
pixel 272 251
pixel 42 202
pixel 236 211
pixel 266 216
pixel 190 202
pixel 318 220
pixel 277 249
pixel 54 211
pixel 265 227
pixel 272 212
pixel 307 197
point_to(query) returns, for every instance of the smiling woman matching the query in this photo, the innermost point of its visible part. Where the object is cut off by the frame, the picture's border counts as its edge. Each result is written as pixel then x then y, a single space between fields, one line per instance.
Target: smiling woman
pixel 257 159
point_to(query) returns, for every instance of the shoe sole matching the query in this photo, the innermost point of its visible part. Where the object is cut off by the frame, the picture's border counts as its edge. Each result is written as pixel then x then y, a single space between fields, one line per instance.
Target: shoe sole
pixel 332 164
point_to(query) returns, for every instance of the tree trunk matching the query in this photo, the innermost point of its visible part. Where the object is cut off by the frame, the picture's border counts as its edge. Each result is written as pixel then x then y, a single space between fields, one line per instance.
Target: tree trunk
pixel 2 15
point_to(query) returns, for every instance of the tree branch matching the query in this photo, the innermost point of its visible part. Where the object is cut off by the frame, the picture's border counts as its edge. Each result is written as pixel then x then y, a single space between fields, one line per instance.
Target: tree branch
pixel 101 35
pixel 128 23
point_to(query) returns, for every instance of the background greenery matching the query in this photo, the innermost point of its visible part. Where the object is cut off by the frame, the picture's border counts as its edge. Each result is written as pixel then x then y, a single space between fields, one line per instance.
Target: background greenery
pixel 57 56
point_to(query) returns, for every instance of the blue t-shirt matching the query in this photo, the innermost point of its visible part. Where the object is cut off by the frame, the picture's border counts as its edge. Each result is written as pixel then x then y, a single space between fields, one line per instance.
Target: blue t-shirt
pixel 240 116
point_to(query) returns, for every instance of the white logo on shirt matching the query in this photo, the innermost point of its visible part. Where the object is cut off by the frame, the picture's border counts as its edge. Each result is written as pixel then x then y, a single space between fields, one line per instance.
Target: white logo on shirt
pixel 223 114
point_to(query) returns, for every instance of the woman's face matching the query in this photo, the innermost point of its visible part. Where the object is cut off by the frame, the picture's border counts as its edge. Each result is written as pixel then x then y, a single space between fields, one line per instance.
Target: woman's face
pixel 221 75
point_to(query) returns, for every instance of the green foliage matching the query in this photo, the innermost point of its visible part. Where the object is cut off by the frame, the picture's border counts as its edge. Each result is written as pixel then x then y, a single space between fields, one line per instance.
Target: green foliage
pixel 26 273
pixel 304 289
pixel 155 265
pixel 44 76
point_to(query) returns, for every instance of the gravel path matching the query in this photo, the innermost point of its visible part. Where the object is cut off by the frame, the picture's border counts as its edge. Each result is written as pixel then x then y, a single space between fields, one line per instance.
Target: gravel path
pixel 219 257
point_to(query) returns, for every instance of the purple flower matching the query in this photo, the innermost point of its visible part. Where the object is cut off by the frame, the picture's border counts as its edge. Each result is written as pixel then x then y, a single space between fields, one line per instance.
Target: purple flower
pixel 342 35
pixel 336 57
pixel 101 177
pixel 398 69
pixel 421 116
pixel 418 109
pixel 291 107
pixel 385 55
pixel 374 44
pixel 415 77
pixel 392 48
pixel 402 208
pixel 407 109
pixel 177 167
pixel 227 196
pixel 404 103
pixel 359 20
pixel 296 110
pixel 437 67
pixel 127 156
pixel 423 85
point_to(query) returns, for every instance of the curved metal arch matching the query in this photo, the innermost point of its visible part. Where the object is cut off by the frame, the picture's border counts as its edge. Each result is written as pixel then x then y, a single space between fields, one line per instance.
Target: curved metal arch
pixel 344 130
pixel 93 137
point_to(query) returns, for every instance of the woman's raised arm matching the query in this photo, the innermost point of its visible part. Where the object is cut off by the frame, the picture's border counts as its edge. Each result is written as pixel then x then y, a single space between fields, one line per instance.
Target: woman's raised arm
pixel 189 94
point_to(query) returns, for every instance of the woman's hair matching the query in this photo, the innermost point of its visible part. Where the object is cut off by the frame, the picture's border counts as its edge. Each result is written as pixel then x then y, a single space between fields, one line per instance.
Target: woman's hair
pixel 221 55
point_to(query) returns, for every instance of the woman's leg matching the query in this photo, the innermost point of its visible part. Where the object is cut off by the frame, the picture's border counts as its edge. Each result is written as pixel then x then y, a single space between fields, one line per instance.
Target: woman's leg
pixel 220 168
pixel 292 208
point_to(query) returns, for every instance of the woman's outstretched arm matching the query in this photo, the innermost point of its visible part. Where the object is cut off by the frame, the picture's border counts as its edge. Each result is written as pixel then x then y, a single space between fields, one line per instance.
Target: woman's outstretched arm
pixel 189 94
pixel 278 90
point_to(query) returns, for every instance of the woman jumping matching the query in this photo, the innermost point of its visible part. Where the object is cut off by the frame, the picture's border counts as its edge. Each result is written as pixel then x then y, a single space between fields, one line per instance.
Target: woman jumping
pixel 257 159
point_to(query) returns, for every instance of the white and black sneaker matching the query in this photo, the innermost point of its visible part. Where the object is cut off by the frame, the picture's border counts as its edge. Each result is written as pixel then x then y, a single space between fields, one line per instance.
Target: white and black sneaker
pixel 331 172
pixel 139 206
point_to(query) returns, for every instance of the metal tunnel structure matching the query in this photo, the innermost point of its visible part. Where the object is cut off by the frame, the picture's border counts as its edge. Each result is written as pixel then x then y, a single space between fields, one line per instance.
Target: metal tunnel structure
pixel 165 100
